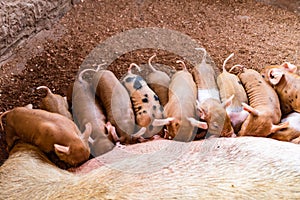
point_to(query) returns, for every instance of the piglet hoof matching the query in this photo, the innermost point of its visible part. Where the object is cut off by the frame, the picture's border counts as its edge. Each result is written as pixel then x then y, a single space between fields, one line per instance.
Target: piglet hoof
pixel 233 135
pixel 157 137
pixel 296 140
pixel 119 145
pixel 141 140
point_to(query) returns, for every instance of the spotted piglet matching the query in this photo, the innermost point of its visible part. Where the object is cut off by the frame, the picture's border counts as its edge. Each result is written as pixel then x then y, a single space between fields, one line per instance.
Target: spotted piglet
pixel 145 102
pixel 286 83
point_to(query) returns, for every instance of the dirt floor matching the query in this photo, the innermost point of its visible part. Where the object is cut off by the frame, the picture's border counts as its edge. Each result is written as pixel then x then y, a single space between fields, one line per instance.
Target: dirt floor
pixel 258 34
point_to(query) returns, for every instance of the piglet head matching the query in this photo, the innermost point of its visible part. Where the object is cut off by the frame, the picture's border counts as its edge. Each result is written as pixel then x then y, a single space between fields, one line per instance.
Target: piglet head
pixel 73 155
pixel 172 124
pixel 184 129
pixel 78 151
pixel 180 129
pixel 143 118
pixel 258 124
pixel 215 115
pixel 285 67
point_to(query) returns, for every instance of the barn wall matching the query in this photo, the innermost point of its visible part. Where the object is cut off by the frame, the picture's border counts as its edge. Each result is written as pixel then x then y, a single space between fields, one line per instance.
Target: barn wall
pixel 20 19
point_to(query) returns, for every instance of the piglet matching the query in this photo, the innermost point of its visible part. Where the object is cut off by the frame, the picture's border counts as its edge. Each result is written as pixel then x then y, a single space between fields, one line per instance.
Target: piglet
pixel 86 109
pixel 117 105
pixel 292 132
pixel 55 103
pixel 158 81
pixel 49 131
pixel 181 107
pixel 287 87
pixel 210 107
pixel 264 109
pixel 231 88
pixel 146 104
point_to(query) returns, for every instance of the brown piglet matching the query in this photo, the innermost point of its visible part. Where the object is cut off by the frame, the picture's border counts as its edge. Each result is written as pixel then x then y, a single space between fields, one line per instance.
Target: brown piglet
pixel 264 109
pixel 231 87
pixel 116 102
pixel 55 103
pixel 210 107
pixel 159 82
pixel 49 131
pixel 85 109
pixel 181 107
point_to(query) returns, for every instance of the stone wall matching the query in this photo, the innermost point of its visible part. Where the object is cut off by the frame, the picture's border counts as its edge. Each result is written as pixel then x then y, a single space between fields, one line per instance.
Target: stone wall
pixel 20 19
pixel 291 5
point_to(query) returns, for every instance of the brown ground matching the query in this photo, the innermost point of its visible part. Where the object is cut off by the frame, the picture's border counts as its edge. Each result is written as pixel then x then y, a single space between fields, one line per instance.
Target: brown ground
pixel 258 34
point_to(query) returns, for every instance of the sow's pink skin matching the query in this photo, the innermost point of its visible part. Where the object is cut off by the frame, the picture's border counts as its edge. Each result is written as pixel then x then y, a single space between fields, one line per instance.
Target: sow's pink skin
pixel 215 168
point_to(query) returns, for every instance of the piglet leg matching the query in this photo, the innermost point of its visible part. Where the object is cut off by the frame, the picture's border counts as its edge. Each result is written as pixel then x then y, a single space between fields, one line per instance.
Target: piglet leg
pixel 296 140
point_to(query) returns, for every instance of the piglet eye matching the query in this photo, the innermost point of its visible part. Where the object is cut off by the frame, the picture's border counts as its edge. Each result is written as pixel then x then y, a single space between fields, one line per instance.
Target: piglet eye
pixel 263 75
pixel 215 125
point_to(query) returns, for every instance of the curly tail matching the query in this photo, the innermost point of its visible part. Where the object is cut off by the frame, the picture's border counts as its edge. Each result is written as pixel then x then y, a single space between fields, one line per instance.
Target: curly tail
pixel 241 67
pixel 133 65
pixel 149 63
pixel 82 72
pixel 46 88
pixel 204 52
pixel 3 114
pixel 225 61
pixel 182 63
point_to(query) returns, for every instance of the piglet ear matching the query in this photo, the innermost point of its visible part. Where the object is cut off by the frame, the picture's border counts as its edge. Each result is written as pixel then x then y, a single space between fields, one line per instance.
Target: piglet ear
pixel 202 112
pixel 289 67
pixel 228 102
pixel 66 102
pixel 140 132
pixel 29 106
pixel 111 130
pixel 60 149
pixel 86 134
pixel 162 122
pixel 250 109
pixel 197 123
pixel 275 75
pixel 279 126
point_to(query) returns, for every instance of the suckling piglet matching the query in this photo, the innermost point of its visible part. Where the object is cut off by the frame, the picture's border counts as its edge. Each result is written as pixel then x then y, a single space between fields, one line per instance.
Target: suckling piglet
pixel 49 131
pixel 287 87
pixel 159 82
pixel 146 103
pixel 291 133
pixel 231 87
pixel 264 109
pixel 182 107
pixel 210 107
pixel 117 105
pixel 55 103
pixel 86 109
